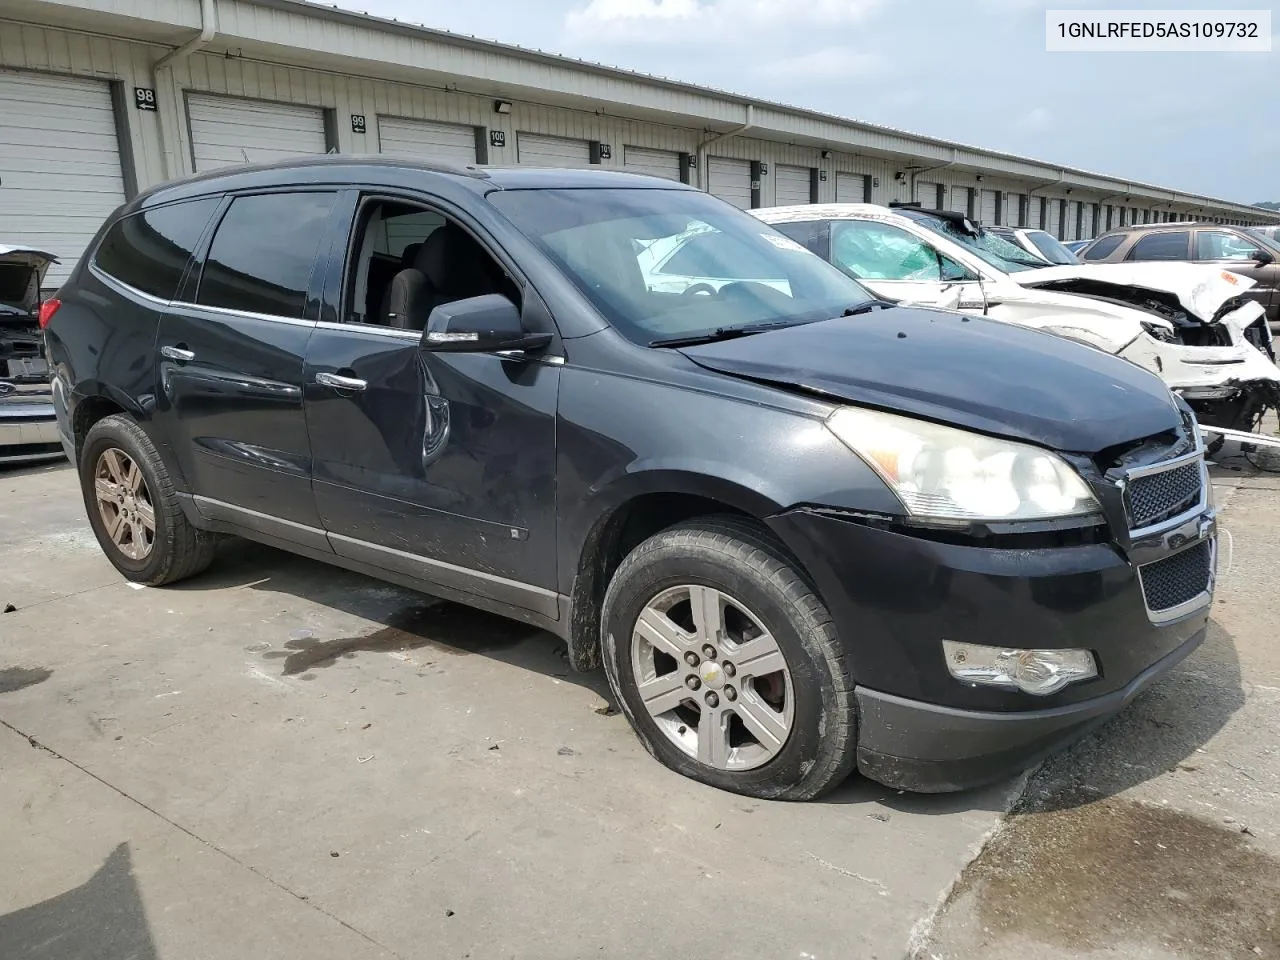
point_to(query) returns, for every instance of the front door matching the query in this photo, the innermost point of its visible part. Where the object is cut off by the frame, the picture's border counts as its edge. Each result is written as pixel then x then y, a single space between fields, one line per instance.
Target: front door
pixel 439 466
pixel 231 351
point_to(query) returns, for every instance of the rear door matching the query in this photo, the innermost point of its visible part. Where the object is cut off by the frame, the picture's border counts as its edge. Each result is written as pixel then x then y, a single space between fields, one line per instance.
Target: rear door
pixel 230 366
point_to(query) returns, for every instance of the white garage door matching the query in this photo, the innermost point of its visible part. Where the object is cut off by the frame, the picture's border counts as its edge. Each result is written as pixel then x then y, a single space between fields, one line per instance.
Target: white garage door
pixel 426 140
pixel 731 180
pixel 1055 217
pixel 229 130
pixel 539 151
pixel 653 163
pixel 851 188
pixel 790 185
pixel 957 199
pixel 59 165
pixel 988 212
pixel 927 194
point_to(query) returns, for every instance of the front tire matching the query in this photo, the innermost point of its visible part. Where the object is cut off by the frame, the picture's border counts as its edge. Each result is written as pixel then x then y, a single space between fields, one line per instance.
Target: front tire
pixel 727 664
pixel 134 509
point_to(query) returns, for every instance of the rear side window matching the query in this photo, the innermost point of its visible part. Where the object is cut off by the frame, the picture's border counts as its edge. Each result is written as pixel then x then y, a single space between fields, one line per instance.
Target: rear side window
pixel 1102 248
pixel 264 252
pixel 150 250
pixel 1161 246
pixel 813 235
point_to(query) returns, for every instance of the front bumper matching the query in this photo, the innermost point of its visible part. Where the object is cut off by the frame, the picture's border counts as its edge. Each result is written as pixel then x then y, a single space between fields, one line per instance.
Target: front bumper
pixel 28 424
pixel 927 748
pixel 895 594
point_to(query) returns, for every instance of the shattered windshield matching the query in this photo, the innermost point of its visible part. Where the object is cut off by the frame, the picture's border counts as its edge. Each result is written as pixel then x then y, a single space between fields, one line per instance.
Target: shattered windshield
pixel 996 251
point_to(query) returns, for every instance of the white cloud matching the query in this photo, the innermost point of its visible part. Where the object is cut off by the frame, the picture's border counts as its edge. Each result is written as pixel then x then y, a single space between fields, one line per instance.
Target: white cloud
pixel 1037 118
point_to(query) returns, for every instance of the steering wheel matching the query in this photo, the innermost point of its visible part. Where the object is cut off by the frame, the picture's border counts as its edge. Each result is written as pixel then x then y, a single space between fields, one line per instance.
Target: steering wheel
pixel 698 290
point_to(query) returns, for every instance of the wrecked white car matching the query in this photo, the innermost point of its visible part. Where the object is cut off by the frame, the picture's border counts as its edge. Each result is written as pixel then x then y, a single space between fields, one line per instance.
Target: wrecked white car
pixel 1187 323
pixel 28 427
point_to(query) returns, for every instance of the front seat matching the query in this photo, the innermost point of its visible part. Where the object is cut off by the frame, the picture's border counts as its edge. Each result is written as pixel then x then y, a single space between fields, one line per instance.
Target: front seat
pixel 449 266
pixel 455 266
pixel 389 313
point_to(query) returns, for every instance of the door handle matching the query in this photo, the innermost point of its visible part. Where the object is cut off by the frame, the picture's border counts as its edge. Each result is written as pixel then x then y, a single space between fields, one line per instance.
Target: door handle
pixel 337 382
pixel 181 354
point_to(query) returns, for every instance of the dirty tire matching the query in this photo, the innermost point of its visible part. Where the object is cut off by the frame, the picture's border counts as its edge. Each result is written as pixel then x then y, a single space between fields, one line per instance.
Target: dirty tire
pixel 180 550
pixel 739 558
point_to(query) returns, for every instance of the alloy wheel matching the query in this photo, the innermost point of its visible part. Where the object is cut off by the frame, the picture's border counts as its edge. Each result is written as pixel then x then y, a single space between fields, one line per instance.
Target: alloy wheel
pixel 712 677
pixel 124 502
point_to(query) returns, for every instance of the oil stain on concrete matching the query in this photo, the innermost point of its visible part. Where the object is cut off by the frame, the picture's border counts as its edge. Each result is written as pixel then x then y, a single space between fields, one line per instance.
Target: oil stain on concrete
pixel 17 678
pixel 1113 877
pixel 448 628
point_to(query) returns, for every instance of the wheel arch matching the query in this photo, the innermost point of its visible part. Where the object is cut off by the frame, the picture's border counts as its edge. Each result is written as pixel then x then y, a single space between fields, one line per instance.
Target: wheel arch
pixel 629 511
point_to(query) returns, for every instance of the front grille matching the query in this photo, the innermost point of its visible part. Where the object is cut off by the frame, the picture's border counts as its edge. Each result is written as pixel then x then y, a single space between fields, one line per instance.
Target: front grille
pixel 1174 580
pixel 1154 497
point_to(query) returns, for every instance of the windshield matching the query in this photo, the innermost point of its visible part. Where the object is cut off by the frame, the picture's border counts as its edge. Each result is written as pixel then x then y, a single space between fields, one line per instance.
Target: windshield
pixel 1000 253
pixel 664 264
pixel 1053 251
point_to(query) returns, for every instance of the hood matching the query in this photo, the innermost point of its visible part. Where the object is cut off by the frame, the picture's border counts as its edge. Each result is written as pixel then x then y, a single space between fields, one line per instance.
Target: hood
pixel 965 371
pixel 1200 290
pixel 22 270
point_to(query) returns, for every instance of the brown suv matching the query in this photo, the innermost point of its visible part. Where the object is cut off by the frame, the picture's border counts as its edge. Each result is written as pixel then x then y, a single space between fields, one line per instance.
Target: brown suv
pixel 1233 248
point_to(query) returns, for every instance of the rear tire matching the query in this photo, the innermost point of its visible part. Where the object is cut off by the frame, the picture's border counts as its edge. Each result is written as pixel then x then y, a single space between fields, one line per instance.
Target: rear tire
pixel 133 508
pixel 780 723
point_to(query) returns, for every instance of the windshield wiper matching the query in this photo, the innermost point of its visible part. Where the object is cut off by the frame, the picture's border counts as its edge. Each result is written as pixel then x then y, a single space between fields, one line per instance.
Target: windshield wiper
pixel 720 333
pixel 867 307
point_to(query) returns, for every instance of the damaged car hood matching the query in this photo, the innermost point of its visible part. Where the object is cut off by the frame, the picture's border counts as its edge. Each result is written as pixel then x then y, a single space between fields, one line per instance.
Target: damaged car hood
pixel 1200 290
pixel 965 371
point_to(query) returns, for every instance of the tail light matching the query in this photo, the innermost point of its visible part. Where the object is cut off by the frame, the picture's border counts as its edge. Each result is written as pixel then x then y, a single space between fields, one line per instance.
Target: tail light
pixel 47 310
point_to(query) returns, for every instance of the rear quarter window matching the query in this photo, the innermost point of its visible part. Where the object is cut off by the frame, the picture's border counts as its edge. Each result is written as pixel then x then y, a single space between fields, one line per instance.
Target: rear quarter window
pixel 150 250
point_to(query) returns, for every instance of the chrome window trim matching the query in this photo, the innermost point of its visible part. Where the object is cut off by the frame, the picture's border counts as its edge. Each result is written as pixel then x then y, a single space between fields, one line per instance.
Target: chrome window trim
pixel 125 289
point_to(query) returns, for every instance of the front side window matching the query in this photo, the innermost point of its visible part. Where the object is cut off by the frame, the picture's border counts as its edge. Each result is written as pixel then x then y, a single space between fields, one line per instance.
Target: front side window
pixel 1222 245
pixel 879 251
pixel 150 250
pixel 1103 247
pixel 1161 246
pixel 264 252
pixel 667 264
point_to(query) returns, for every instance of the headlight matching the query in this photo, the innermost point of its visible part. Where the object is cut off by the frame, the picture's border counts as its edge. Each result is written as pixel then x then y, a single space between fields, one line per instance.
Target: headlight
pixel 1039 672
pixel 948 474
pixel 1158 332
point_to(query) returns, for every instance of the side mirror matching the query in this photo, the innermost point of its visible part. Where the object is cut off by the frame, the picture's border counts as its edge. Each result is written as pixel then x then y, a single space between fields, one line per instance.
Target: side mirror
pixel 1262 257
pixel 486 324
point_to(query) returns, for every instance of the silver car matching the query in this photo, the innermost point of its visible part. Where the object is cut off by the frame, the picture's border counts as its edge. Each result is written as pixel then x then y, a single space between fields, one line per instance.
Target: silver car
pixel 28 427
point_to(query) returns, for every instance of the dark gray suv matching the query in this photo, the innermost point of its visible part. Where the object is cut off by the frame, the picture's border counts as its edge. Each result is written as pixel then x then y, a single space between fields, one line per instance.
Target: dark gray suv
pixel 801 529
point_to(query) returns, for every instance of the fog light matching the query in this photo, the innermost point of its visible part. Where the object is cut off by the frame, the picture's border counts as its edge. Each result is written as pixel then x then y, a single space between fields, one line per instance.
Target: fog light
pixel 1040 672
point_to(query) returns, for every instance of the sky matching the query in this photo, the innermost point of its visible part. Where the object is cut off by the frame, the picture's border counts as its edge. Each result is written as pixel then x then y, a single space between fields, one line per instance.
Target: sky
pixel 974 71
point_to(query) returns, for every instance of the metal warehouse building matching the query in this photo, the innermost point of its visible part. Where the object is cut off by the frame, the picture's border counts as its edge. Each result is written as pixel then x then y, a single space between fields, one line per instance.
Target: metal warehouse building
pixel 102 98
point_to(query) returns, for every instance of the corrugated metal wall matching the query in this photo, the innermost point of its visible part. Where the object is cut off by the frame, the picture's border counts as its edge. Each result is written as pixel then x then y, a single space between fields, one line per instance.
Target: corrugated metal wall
pixel 160 141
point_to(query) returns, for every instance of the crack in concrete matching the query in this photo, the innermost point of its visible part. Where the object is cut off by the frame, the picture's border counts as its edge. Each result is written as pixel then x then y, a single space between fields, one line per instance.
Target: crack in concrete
pixel 34 742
